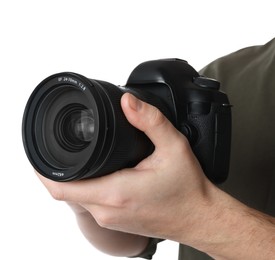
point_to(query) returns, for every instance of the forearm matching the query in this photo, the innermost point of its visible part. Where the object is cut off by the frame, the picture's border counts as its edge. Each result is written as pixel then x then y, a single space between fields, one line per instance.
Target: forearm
pixel 108 241
pixel 231 230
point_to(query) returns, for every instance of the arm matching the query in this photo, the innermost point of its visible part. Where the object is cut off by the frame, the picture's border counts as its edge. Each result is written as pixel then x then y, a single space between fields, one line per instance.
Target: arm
pixel 168 196
pixel 231 230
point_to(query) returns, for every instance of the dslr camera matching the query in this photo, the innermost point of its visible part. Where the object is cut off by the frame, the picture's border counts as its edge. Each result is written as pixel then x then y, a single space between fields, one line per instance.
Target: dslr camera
pixel 74 127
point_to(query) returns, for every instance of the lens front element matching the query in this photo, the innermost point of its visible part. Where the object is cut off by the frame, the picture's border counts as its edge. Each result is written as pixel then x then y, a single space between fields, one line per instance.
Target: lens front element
pixel 84 126
pixel 74 127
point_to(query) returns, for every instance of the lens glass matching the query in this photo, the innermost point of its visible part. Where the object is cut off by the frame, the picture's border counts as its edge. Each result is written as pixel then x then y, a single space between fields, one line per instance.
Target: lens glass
pixel 83 126
pixel 74 127
pixel 66 127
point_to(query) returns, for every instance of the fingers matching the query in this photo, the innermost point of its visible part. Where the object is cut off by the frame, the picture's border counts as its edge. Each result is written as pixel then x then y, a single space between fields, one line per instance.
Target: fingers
pixel 76 191
pixel 151 121
pixel 105 190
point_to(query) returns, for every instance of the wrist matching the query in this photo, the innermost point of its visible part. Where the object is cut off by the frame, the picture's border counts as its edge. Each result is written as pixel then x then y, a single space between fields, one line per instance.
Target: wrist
pixel 224 228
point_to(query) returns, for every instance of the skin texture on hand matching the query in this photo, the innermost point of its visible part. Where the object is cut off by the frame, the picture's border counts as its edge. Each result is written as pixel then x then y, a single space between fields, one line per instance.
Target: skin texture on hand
pixel 167 196
pixel 131 200
pixel 106 240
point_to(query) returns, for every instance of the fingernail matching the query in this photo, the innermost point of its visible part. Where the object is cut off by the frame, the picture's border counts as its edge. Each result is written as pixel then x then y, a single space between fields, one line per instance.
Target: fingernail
pixel 134 103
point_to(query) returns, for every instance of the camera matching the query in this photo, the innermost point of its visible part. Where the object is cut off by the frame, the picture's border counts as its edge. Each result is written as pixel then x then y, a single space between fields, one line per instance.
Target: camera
pixel 74 127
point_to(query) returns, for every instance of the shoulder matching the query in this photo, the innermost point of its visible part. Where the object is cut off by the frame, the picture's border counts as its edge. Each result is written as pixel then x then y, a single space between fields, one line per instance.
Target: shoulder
pixel 247 63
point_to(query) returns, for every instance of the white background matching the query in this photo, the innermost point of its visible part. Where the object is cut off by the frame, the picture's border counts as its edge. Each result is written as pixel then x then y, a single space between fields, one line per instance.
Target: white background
pixel 102 40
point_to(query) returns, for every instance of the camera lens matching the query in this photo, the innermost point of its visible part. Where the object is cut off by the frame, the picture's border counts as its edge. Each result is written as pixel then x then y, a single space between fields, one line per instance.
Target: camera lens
pixel 74 127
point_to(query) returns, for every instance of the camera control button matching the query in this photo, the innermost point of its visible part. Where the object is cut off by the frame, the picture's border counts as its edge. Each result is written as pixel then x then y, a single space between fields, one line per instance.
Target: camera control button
pixel 205 82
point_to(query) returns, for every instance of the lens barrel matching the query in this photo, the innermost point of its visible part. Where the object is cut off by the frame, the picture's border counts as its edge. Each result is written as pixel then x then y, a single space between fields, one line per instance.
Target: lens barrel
pixel 74 128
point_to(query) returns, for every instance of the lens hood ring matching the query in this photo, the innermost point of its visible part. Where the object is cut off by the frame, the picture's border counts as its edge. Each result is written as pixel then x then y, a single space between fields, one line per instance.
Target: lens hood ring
pixel 47 91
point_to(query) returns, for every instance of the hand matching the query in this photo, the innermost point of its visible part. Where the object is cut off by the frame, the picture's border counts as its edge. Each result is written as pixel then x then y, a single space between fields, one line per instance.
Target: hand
pixel 108 241
pixel 159 197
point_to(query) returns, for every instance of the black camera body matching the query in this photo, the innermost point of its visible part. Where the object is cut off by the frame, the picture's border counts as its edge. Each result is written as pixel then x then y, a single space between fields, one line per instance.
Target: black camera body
pixel 74 127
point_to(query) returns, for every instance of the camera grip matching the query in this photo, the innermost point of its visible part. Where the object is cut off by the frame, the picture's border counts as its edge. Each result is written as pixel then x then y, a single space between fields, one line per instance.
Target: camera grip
pixel 222 143
pixel 212 144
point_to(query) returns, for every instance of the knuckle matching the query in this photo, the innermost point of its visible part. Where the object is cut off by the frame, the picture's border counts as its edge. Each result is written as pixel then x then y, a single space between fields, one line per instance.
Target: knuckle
pixel 182 147
pixel 117 200
pixel 184 143
pixel 117 195
pixel 104 219
pixel 57 193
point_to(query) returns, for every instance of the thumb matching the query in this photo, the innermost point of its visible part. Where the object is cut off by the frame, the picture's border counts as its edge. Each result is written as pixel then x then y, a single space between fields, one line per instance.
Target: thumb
pixel 150 120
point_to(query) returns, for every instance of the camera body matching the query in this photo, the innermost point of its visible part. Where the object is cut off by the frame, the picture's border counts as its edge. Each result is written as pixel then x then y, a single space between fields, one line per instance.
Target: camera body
pixel 74 128
pixel 196 108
